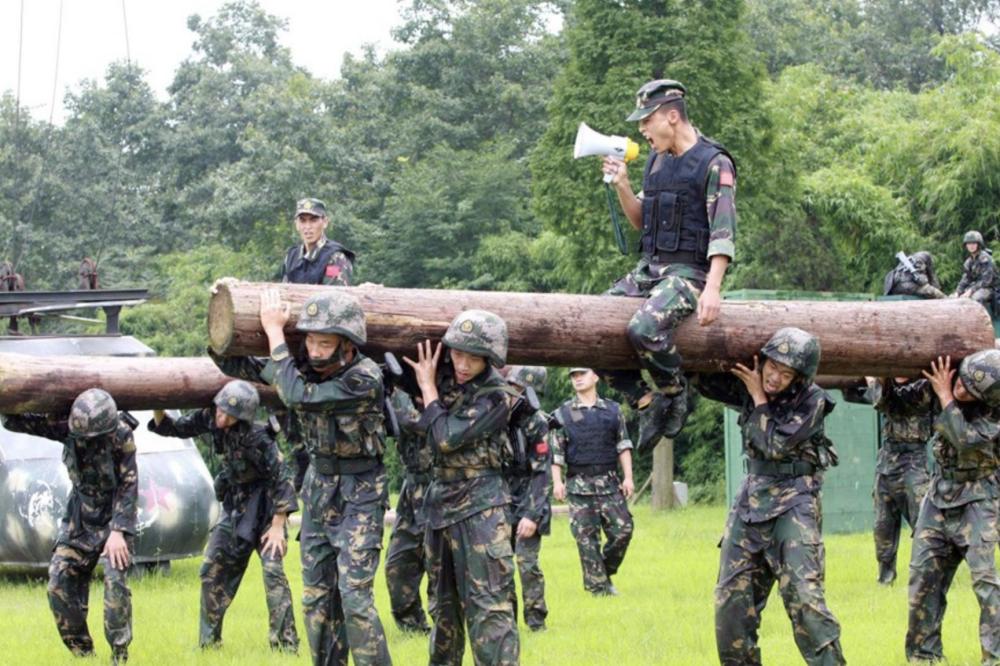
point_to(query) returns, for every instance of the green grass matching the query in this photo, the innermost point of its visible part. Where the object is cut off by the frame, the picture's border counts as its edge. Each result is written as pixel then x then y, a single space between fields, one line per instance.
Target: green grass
pixel 663 616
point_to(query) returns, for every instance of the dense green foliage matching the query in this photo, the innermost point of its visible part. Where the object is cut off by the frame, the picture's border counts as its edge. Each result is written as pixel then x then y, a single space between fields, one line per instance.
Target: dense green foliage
pixel 859 128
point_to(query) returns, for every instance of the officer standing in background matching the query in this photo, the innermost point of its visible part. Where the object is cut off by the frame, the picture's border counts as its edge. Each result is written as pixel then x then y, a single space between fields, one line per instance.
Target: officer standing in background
pixel 527 474
pixel 686 214
pixel 978 272
pixel 256 492
pixel 958 518
pixel 773 529
pixel 465 418
pixel 100 520
pixel 591 442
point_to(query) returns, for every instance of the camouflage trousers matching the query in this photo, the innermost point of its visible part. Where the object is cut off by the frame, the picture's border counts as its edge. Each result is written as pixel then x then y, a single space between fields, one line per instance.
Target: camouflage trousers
pixel 532 581
pixel 70 571
pixel 226 560
pixel 651 332
pixel 340 541
pixel 588 516
pixel 897 496
pixel 472 575
pixel 405 563
pixel 984 297
pixel 787 549
pixel 945 537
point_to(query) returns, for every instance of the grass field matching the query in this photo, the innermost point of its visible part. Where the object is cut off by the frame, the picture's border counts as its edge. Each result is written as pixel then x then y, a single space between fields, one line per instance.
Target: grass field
pixel 663 615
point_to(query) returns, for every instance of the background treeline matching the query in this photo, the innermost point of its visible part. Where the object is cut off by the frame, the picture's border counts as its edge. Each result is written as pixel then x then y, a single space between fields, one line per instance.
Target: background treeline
pixel 860 128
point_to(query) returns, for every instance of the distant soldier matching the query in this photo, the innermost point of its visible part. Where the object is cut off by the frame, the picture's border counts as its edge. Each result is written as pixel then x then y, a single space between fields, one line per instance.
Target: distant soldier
pixel 978 272
pixel 337 394
pixel 100 520
pixel 901 478
pixel 527 473
pixel 465 416
pixel 773 529
pixel 256 492
pixel 591 442
pixel 406 561
pixel 958 518
pixel 913 276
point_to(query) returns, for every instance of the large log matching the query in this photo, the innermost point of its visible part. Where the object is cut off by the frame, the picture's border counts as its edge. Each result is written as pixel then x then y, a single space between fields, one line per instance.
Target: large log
pixel 880 338
pixel 49 384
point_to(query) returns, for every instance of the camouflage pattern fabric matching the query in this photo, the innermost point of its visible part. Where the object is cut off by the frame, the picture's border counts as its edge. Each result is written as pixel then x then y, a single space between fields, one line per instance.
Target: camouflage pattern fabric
pixel 795 348
pixel 526 552
pixel 978 276
pixel 481 333
pixel 104 498
pixel 921 281
pixel 334 313
pixel 604 508
pixel 255 484
pixel 980 374
pixel 93 413
pixel 238 399
pixel 958 521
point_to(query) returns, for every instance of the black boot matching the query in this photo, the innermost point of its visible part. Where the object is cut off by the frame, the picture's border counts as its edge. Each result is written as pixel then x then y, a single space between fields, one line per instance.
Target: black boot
pixel 665 416
pixel 886 573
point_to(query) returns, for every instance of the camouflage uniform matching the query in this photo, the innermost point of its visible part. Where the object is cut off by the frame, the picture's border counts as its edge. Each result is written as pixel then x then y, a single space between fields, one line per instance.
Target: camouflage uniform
pixel 594 495
pixel 978 272
pixel 344 492
pixel 405 562
pixel 253 485
pixel 958 517
pixel 773 529
pixel 901 470
pixel 104 498
pixel 468 537
pixel 669 276
pixel 921 281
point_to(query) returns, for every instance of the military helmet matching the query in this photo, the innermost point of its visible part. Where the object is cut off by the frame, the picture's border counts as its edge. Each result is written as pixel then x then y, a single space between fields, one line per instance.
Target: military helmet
pixel 980 373
pixel 239 399
pixel 93 413
pixel 334 313
pixel 973 237
pixel 528 375
pixel 795 348
pixel 654 93
pixel 481 333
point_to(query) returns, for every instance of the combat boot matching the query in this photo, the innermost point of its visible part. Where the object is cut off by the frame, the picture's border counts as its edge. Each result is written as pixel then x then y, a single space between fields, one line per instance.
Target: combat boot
pixel 665 416
pixel 886 573
pixel 119 656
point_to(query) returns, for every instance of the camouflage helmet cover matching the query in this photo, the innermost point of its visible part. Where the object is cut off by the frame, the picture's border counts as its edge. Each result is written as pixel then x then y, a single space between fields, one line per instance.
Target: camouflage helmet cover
pixel 528 375
pixel 93 413
pixel 973 237
pixel 481 333
pixel 239 399
pixel 795 348
pixel 980 374
pixel 334 313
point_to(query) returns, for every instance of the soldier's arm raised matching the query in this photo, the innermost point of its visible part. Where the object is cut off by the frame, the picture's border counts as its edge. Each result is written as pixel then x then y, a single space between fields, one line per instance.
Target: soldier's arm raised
pixel 190 425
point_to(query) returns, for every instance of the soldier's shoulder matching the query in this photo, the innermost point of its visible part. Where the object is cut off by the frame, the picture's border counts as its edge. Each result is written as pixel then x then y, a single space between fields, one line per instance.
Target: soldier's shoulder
pixel 124 439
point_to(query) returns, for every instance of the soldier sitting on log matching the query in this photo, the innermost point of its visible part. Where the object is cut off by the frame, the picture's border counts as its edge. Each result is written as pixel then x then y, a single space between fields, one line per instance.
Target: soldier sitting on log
pixel 256 492
pixel 913 276
pixel 979 279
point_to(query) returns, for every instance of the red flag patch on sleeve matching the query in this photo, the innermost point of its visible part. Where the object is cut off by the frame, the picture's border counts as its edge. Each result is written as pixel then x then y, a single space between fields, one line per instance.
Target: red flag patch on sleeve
pixel 332 271
pixel 542 448
pixel 725 178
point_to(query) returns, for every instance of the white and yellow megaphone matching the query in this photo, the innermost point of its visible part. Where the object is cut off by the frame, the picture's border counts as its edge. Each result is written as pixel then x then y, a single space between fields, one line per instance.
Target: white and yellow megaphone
pixel 590 142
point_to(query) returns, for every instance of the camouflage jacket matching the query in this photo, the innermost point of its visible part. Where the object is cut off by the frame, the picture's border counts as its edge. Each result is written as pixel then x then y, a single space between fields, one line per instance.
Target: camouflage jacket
pixel 328 263
pixel 599 484
pixel 789 428
pixel 467 429
pixel 414 451
pixel 978 272
pixel 965 441
pixel 340 416
pixel 254 481
pixel 527 474
pixel 103 472
pixel 908 412
pixel 901 282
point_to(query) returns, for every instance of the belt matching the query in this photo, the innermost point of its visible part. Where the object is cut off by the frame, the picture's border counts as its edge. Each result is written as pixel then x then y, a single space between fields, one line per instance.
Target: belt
pixel 331 465
pixel 688 258
pixel 777 468
pixel 963 475
pixel 906 447
pixel 462 473
pixel 590 470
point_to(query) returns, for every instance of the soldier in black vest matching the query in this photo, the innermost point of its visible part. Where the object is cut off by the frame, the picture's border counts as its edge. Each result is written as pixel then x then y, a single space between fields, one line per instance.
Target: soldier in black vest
pixel 591 443
pixel 687 216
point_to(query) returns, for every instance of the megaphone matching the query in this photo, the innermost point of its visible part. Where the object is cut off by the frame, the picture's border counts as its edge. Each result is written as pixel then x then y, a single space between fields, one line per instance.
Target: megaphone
pixel 591 142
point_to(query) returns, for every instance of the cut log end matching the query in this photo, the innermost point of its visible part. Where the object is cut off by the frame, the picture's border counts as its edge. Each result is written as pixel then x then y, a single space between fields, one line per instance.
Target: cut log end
pixel 221 318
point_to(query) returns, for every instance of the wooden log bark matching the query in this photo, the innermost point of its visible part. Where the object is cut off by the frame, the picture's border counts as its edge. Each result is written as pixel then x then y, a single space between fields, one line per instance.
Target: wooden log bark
pixel 49 384
pixel 880 338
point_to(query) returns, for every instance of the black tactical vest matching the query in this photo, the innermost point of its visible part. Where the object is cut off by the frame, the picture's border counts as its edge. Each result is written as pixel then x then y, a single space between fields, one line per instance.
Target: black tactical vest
pixel 674 217
pixel 299 270
pixel 592 435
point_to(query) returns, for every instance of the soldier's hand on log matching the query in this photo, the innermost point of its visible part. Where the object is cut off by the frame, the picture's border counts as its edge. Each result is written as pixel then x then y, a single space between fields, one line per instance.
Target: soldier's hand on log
pixel 273 542
pixel 222 282
pixel 116 550
pixel 425 369
pixel 709 305
pixel 273 313
pixel 752 380
pixel 616 168
pixel 526 528
pixel 942 378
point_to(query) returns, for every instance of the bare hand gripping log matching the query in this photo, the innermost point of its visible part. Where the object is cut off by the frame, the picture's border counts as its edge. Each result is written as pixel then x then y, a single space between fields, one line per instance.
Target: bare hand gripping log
pixel 878 338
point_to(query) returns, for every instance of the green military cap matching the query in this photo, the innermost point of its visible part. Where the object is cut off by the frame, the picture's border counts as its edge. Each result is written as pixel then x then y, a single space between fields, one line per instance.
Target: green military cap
pixel 310 206
pixel 573 371
pixel 651 95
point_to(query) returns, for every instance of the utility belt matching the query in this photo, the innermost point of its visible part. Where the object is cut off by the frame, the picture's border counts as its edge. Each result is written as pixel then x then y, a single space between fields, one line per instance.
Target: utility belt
pixel 963 475
pixel 332 465
pixel 590 470
pixel 463 473
pixel 690 258
pixel 418 478
pixel 906 447
pixel 779 468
